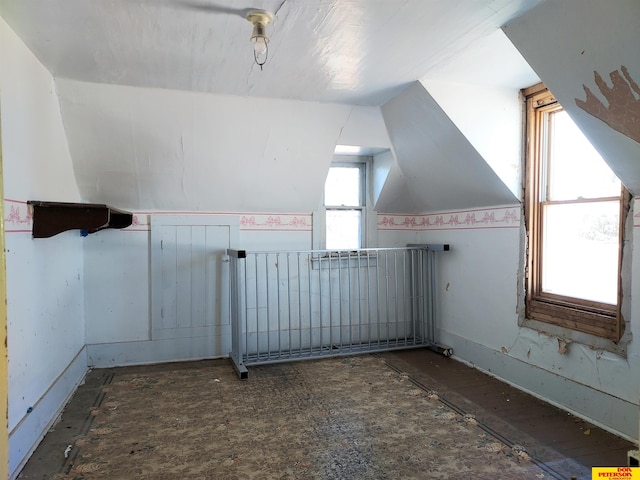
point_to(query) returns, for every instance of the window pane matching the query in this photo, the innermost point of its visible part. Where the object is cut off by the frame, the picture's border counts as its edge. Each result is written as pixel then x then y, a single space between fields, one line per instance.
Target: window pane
pixel 343 229
pixel 580 250
pixel 576 169
pixel 342 187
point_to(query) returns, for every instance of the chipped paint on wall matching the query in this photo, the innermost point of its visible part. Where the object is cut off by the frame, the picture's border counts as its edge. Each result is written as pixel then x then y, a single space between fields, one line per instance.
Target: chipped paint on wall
pixel 623 97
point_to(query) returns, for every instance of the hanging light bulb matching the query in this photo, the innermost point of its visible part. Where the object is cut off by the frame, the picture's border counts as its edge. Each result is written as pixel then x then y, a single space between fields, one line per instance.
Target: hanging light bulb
pixel 259 38
pixel 259 45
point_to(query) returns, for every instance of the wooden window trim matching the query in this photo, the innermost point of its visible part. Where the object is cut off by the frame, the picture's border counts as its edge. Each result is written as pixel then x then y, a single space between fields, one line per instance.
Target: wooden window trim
pixel 585 316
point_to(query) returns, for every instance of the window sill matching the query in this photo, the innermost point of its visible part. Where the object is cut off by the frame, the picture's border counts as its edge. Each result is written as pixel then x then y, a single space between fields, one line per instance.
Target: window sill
pixel 599 323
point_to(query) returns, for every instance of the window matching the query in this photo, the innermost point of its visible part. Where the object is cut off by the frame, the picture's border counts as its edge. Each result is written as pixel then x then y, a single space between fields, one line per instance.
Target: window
pixel 344 202
pixel 574 206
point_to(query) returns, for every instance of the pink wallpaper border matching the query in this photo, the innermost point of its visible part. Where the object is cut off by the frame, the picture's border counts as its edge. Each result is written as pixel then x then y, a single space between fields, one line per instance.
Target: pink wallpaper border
pixel 489 218
pixel 500 217
pixel 263 222
pixel 18 217
pixel 276 222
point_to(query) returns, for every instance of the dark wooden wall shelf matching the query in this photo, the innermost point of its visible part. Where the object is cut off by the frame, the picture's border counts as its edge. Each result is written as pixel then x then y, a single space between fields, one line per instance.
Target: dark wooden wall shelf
pixel 51 218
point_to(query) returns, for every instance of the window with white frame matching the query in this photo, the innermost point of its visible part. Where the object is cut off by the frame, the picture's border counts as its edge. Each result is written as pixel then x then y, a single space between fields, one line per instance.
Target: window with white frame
pixel 345 206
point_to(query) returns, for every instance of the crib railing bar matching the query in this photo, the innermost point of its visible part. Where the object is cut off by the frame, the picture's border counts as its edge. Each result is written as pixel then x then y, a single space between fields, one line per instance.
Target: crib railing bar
pixel 319 306
pixel 245 310
pixel 330 306
pixel 419 294
pixel 414 293
pixel 309 271
pixel 349 303
pixel 377 273
pixel 237 291
pixel 355 253
pixel 347 319
pixel 339 302
pixel 299 296
pixel 360 295
pixel 395 292
pixel 349 306
pixel 404 295
pixel 422 305
pixel 266 267
pixel 430 299
pixel 278 300
pixel 368 282
pixel 386 272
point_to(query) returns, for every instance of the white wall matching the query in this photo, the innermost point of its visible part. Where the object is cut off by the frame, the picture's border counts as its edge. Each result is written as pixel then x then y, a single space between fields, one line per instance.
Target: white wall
pixel 44 276
pixel 117 279
pixel 479 287
pixel 117 263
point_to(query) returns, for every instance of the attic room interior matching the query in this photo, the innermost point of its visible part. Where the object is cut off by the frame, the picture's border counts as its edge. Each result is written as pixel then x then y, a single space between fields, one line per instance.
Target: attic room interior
pixel 466 171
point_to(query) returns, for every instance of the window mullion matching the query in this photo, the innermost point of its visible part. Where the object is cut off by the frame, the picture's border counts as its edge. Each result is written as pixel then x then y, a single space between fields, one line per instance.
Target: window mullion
pixel 580 201
pixel 344 207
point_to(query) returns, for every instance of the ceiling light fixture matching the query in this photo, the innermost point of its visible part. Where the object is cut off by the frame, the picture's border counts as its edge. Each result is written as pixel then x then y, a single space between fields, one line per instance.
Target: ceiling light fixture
pixel 259 38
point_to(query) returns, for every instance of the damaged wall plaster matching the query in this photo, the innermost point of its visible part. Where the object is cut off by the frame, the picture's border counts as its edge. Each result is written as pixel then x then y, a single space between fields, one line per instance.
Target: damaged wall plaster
pixel 623 110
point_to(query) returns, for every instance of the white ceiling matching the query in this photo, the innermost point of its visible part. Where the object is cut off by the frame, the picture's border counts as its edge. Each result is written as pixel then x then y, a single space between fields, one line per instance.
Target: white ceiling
pixel 359 52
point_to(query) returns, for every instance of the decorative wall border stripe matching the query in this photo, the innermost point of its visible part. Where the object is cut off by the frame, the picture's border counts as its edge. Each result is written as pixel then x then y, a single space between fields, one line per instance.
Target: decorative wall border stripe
pixel 278 222
pixel 264 222
pixel 17 216
pixel 19 219
pixel 500 217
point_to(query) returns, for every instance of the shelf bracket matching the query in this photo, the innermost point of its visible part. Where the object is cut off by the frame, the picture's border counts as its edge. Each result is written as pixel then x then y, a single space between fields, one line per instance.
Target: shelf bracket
pixel 51 218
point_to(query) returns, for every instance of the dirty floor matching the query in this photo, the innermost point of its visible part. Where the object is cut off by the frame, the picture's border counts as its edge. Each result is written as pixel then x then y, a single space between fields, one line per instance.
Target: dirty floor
pixel 364 417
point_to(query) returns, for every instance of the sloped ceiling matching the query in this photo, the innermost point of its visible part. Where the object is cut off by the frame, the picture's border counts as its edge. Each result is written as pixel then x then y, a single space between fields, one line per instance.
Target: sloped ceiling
pixel 164 108
pixel 479 90
pixel 355 51
pixel 162 149
pixel 597 37
pixel 441 168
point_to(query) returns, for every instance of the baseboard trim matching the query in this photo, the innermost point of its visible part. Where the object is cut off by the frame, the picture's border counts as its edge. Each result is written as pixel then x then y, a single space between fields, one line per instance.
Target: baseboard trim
pixel 25 437
pixel 611 413
pixel 105 355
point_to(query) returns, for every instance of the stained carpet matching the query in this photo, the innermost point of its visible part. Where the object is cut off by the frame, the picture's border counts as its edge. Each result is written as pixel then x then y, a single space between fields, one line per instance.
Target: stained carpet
pixel 348 418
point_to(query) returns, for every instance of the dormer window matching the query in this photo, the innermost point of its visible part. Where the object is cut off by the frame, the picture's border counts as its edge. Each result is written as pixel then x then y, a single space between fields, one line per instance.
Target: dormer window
pixel 344 204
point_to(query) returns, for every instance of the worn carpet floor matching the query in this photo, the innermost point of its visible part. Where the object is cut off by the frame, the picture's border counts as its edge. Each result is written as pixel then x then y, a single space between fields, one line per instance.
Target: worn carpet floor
pixel 348 418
